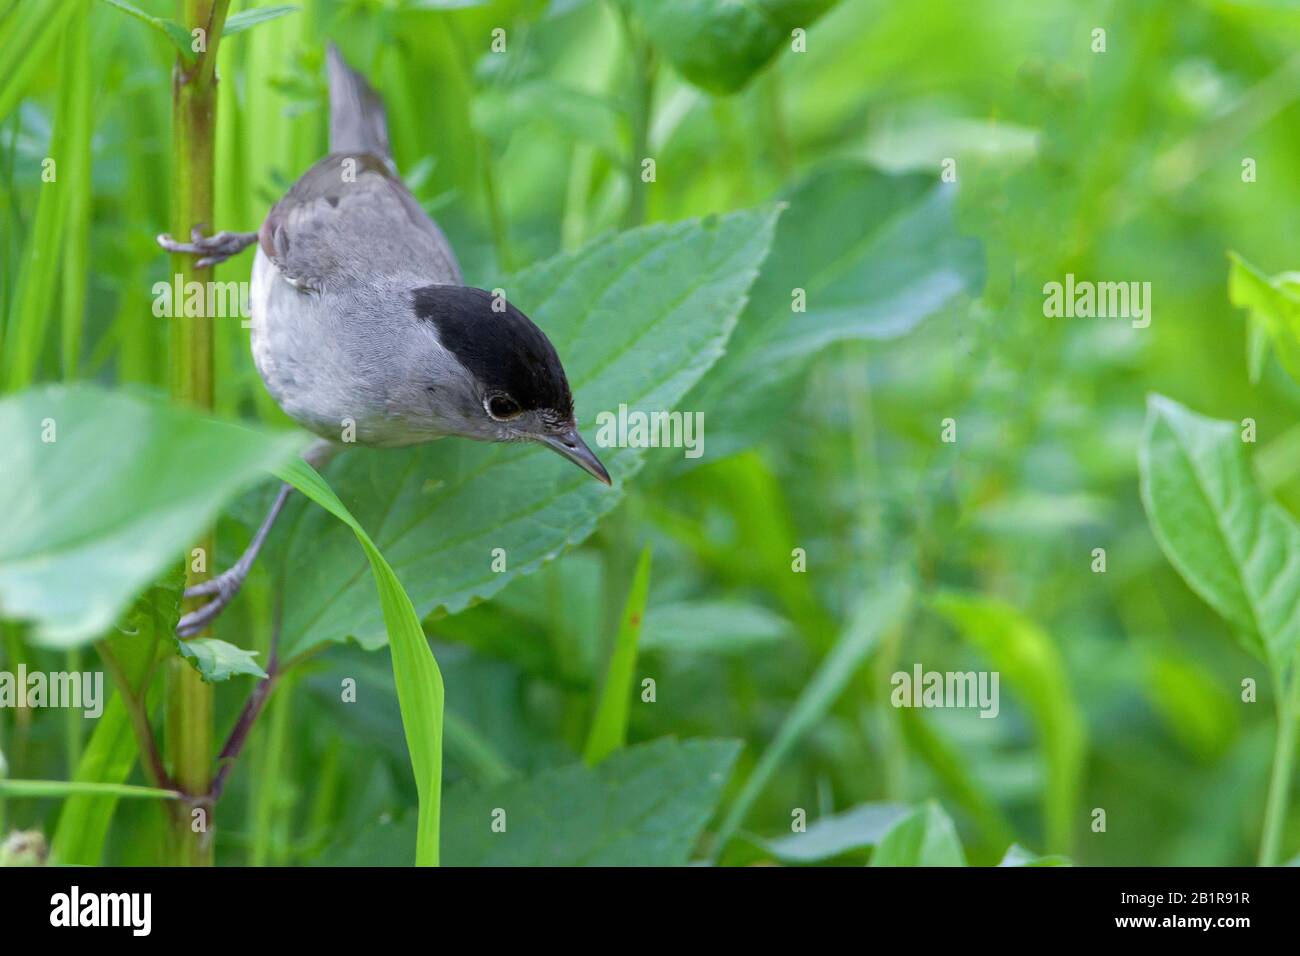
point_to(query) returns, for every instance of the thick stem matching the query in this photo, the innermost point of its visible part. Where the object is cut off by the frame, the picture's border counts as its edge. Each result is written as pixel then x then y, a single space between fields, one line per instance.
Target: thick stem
pixel 1279 787
pixel 194 106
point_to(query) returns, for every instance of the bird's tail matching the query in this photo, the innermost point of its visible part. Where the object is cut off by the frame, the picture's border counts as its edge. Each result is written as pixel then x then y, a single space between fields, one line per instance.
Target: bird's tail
pixel 358 122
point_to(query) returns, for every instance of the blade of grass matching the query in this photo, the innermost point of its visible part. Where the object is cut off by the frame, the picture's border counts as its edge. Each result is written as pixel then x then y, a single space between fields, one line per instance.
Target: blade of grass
pixel 609 727
pixel 108 758
pixel 63 788
pixel 1024 654
pixel 883 608
pixel 75 171
pixel 415 672
pixel 31 32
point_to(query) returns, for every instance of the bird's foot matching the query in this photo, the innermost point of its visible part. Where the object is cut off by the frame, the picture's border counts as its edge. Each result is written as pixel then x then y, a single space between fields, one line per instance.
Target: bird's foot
pixel 210 249
pixel 222 589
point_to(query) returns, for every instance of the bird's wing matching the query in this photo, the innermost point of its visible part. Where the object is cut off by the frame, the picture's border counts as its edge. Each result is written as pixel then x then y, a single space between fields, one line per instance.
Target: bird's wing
pixel 349 219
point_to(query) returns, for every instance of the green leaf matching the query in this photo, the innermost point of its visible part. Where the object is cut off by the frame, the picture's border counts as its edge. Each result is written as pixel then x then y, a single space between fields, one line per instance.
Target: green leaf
pixel 609 727
pixel 247 19
pixel 638 318
pixel 644 806
pixel 883 608
pixel 28 43
pixel 420 693
pixel 499 113
pixel 829 837
pixel 96 514
pixel 63 788
pixel 875 255
pixel 179 36
pixel 1274 312
pixel 712 627
pixel 926 838
pixel 1026 659
pixel 720 46
pixel 218 660
pixel 1233 545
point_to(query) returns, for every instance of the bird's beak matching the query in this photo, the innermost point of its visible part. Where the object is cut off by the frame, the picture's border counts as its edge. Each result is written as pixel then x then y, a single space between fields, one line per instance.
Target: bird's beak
pixel 571 446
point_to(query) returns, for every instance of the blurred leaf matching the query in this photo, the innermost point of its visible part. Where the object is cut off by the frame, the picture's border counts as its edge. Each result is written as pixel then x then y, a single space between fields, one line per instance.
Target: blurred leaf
pixel 874 255
pixel 1231 543
pixel 96 514
pixel 1195 710
pixel 835 835
pixel 500 113
pixel 1017 855
pixel 31 32
pixel 218 660
pixel 720 46
pixel 419 683
pixel 1274 312
pixel 173 31
pixel 246 19
pixel 712 627
pixel 146 634
pixel 644 806
pixel 1022 653
pixel 609 727
pixel 926 838
pixel 637 318
pixel 883 608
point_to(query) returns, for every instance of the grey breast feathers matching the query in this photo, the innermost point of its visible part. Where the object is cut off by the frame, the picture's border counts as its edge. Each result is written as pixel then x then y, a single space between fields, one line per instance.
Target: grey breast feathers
pixel 350 219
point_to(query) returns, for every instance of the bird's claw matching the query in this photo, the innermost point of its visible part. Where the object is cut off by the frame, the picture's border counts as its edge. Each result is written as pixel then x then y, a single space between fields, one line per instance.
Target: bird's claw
pixel 222 589
pixel 210 249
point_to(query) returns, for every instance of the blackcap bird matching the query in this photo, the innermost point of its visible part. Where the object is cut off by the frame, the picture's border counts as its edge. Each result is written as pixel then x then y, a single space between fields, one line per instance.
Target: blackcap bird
pixel 362 326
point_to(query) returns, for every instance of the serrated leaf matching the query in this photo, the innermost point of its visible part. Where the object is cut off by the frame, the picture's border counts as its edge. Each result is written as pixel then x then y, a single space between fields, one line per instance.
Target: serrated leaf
pixel 637 318
pixel 219 660
pixel 720 46
pixel 94 516
pixel 644 806
pixel 926 838
pixel 1233 545
pixel 874 254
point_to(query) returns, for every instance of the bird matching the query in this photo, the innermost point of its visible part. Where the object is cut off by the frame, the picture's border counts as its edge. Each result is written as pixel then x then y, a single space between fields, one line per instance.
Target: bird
pixel 363 330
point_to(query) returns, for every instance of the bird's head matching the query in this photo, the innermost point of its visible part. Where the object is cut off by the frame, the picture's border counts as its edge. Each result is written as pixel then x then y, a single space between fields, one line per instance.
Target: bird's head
pixel 500 378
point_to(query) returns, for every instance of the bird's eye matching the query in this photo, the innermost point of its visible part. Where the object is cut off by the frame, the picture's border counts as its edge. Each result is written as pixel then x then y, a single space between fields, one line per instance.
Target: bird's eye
pixel 502 407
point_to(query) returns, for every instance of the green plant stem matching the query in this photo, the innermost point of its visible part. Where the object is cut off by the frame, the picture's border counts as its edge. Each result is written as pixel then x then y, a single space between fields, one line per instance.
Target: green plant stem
pixel 643 82
pixel 194 106
pixel 1279 787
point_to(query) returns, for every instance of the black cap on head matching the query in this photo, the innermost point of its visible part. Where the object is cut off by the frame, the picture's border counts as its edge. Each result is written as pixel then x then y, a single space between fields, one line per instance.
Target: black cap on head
pixel 503 349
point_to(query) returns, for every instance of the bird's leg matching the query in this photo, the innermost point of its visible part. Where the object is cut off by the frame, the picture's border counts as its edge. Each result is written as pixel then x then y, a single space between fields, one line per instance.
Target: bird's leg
pixel 210 249
pixel 226 585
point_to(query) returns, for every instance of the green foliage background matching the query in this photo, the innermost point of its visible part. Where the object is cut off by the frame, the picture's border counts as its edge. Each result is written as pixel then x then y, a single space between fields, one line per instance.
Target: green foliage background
pixel 775 170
